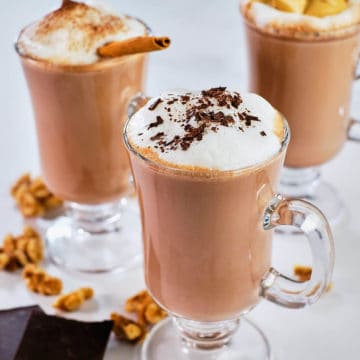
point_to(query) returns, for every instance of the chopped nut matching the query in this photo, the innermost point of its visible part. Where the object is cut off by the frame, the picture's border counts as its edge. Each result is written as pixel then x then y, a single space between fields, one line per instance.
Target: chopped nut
pixel 32 196
pixel 127 329
pixel 34 250
pixel 37 280
pixel 22 249
pixel 154 313
pixel 302 272
pixel 73 300
pixel 4 259
pixel 24 180
pixel 52 202
pixel 39 189
pixel 20 257
pixel 9 243
pixel 147 311
pixel 137 302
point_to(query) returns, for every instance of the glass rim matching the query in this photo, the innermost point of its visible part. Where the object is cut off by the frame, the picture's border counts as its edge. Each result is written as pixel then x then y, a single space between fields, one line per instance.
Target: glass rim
pixel 307 36
pixel 78 67
pixel 211 173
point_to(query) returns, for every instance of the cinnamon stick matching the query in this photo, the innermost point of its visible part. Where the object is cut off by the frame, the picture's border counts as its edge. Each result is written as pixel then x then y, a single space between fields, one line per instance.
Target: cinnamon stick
pixel 137 45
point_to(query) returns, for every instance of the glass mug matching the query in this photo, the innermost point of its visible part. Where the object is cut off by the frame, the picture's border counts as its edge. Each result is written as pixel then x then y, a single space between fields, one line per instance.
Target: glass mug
pixel 207 252
pixel 309 79
pixel 80 111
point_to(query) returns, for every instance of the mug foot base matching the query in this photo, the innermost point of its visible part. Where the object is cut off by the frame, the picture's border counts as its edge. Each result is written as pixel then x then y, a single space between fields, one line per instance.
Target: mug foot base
pixel 115 245
pixel 247 343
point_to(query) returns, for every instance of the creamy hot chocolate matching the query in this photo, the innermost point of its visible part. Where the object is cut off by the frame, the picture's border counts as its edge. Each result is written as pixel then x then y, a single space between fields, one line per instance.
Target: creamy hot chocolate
pixel 80 101
pixel 302 58
pixel 206 165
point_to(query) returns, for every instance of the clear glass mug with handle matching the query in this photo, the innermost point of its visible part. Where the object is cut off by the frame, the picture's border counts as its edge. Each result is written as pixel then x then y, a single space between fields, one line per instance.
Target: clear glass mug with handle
pixel 207 253
pixel 299 74
pixel 80 111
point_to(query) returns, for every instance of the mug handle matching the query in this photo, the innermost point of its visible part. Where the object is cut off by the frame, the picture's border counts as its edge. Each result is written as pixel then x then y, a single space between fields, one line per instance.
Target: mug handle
pixel 353 132
pixel 281 289
pixel 136 102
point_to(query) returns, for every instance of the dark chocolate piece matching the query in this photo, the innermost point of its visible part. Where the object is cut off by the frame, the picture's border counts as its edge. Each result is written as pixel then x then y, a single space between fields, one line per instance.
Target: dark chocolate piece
pixel 51 337
pixel 155 104
pixel 156 123
pixel 13 323
pixel 201 111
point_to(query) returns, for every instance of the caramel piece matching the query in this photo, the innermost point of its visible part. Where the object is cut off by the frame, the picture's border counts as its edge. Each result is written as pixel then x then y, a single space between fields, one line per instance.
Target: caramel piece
pixel 73 300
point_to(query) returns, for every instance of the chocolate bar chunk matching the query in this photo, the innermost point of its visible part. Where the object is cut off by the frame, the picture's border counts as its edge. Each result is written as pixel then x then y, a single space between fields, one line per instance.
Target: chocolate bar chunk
pixel 13 323
pixel 51 337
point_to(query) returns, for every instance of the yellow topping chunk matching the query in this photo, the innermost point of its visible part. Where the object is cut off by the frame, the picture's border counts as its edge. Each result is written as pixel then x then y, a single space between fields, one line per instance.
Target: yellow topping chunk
pixel 321 8
pixel 294 6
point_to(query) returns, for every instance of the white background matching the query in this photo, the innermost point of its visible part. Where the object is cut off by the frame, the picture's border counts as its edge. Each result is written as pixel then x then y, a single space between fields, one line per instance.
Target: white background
pixel 207 50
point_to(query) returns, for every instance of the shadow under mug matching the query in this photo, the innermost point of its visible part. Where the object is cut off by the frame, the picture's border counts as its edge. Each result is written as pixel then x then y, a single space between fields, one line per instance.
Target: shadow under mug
pixel 207 253
pixel 308 79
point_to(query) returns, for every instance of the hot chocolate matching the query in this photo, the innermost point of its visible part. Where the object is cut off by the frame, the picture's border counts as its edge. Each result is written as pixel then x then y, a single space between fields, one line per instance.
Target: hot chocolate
pixel 210 166
pixel 80 101
pixel 206 167
pixel 304 63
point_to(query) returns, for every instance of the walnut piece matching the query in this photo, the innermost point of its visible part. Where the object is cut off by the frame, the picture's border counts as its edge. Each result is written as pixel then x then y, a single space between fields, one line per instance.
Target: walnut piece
pixel 127 329
pixel 17 251
pixel 147 311
pixel 137 302
pixel 37 280
pixel 302 272
pixel 32 196
pixel 73 300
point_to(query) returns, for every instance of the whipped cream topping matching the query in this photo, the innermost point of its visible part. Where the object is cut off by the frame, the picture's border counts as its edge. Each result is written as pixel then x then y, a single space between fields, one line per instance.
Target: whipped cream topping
pixel 73 33
pixel 273 20
pixel 212 129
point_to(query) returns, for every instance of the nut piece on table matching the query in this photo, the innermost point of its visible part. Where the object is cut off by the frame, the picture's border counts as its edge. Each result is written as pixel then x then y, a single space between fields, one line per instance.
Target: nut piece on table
pixel 17 251
pixel 4 259
pixel 302 272
pixel 37 280
pixel 127 329
pixel 32 196
pixel 153 313
pixel 73 300
pixel 137 302
pixel 148 312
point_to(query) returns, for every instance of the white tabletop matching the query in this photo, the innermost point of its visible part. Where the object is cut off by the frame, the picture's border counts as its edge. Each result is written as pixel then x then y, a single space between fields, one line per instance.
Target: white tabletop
pixel 207 50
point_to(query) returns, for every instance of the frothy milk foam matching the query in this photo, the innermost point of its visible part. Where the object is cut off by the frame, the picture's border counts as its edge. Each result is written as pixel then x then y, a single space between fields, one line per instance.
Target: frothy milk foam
pixel 212 129
pixel 73 33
